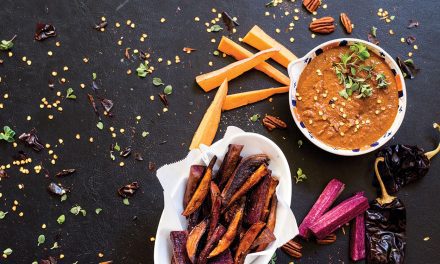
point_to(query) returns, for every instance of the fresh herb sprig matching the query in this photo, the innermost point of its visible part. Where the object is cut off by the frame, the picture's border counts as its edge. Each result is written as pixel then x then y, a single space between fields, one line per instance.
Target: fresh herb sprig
pixel 353 75
pixel 8 134
pixel 7 44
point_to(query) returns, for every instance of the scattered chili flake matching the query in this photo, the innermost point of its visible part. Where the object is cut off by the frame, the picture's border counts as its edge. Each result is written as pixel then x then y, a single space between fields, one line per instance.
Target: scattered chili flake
pixel 229 21
pixel 188 49
pixel 163 99
pixel 92 102
pixel 128 190
pixel 127 53
pixel 65 172
pixel 138 156
pixel 31 140
pixel 44 31
pixel 100 25
pixel 413 24
pixel 125 152
pixel 3 174
pixel 151 166
pixel 410 40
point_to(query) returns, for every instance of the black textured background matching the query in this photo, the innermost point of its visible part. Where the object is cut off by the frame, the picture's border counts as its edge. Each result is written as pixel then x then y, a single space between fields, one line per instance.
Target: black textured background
pixel 114 232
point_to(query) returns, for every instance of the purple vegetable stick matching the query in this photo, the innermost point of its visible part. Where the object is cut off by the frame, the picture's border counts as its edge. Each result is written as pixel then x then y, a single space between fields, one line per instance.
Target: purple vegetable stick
pixel 357 238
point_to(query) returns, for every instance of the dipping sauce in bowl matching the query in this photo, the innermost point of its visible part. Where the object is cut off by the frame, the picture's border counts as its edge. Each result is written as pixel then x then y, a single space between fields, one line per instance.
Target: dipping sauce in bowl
pixel 347 96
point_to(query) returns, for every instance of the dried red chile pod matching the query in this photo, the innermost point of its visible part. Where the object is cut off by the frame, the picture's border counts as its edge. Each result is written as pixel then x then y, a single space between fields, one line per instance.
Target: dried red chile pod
pixel 402 165
pixel 385 224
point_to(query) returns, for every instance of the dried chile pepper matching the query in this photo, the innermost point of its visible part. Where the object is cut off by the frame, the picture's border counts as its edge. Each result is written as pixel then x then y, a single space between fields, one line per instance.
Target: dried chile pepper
pixel 31 140
pixel 403 164
pixel 385 224
pixel 44 31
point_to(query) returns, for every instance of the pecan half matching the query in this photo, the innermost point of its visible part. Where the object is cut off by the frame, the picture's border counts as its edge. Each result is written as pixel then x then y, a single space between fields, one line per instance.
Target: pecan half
pixel 327 240
pixel 293 249
pixel 311 5
pixel 272 122
pixel 346 22
pixel 323 25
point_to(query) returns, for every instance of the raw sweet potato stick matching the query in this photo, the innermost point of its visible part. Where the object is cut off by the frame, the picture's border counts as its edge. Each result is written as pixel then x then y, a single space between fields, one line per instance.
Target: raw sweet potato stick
pixel 241 99
pixel 231 48
pixel 211 80
pixel 207 129
pixel 258 39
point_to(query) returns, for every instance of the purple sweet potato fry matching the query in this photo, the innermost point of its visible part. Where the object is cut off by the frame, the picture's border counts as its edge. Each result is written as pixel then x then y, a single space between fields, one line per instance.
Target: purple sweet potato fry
pixel 256 201
pixel 339 215
pixel 243 171
pixel 325 200
pixel 178 241
pixel 195 175
pixel 193 219
pixel 223 258
pixel 357 238
pixel 215 208
pixel 210 244
pixel 270 192
pixel 266 237
pixel 230 162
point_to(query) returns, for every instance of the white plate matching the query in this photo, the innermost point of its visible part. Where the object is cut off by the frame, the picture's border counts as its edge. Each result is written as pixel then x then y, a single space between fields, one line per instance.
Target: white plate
pixel 171 219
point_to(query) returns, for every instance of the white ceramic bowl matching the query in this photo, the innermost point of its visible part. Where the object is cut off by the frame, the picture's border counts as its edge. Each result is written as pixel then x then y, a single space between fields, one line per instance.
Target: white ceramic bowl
pixel 253 144
pixel 295 69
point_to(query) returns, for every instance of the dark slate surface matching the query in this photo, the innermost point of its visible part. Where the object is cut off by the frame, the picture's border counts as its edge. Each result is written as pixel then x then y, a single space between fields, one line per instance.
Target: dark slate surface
pixel 115 232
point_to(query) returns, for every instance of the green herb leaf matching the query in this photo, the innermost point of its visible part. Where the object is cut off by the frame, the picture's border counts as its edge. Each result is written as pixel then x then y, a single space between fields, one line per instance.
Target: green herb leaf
pixel 98 210
pixel 168 89
pixel 7 251
pixel 300 176
pixel 142 69
pixel 7 44
pixel 273 259
pixel 216 53
pixel 117 147
pixel 83 212
pixel 361 50
pixel 373 31
pixel 94 75
pixel 254 118
pixel 63 197
pixel 100 125
pixel 8 134
pixel 41 240
pixel 112 156
pixel 157 81
pixel 55 245
pixel 343 93
pixel 216 28
pixel 61 219
pixel 409 62
pixel 300 143
pixel 75 210
pixel 69 94
pixel 3 214
pixel 145 133
pixel 126 201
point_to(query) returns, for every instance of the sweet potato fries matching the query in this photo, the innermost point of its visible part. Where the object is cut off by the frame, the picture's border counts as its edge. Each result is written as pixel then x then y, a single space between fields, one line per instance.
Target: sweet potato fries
pixel 230 212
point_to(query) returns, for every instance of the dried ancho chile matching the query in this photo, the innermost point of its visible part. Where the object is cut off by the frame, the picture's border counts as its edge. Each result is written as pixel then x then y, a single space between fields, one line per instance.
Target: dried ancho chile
pixel 44 31
pixel 403 165
pixel 408 68
pixel 125 152
pixel 128 190
pixel 31 140
pixel 65 172
pixel 385 224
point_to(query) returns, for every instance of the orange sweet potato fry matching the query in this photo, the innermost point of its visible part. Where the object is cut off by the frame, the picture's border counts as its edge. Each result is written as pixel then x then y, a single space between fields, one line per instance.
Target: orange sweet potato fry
pixel 246 241
pixel 207 129
pixel 211 80
pixel 258 39
pixel 253 179
pixel 195 176
pixel 233 101
pixel 216 203
pixel 230 234
pixel 233 49
pixel 201 191
pixel 194 237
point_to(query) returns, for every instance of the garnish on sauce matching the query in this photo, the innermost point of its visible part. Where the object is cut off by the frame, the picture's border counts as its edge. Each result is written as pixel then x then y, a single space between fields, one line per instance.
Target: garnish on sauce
pixel 355 76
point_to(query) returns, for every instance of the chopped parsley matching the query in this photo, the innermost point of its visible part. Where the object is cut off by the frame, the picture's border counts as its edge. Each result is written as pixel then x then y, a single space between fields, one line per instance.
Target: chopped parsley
pixel 300 176
pixel 8 134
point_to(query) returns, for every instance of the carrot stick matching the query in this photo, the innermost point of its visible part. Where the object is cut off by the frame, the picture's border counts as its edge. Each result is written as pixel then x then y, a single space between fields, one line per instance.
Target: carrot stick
pixel 240 99
pixel 231 48
pixel 211 80
pixel 258 39
pixel 207 129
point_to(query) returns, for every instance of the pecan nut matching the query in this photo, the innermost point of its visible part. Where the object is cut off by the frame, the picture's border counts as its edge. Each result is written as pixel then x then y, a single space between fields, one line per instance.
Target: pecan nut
pixel 346 22
pixel 327 240
pixel 272 122
pixel 293 249
pixel 311 5
pixel 323 25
